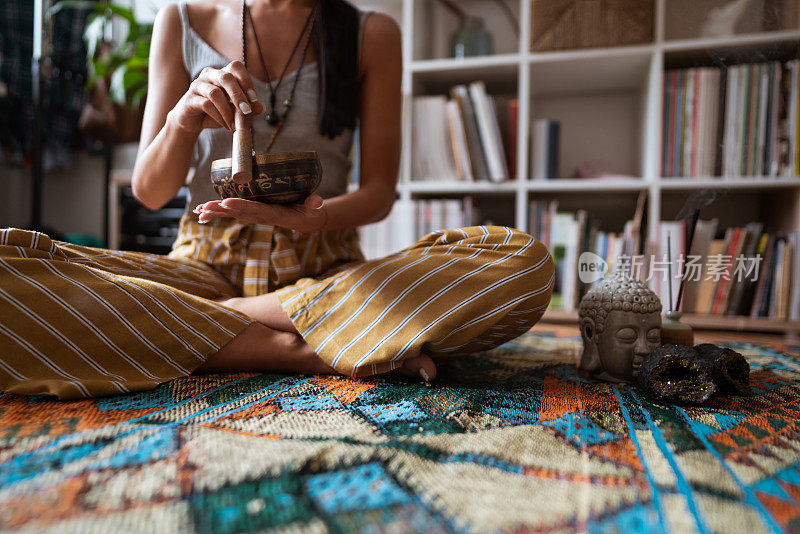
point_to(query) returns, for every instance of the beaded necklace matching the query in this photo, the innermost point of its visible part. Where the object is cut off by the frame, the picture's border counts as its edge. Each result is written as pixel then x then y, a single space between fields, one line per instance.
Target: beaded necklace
pixel 273 116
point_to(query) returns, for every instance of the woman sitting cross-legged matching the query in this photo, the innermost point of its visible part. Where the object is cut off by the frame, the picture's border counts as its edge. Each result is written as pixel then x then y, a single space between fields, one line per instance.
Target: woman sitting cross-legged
pixel 264 287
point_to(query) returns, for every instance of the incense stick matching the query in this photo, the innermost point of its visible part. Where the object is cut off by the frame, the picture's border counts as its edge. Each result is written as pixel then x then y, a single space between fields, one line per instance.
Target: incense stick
pixel 669 270
pixel 692 227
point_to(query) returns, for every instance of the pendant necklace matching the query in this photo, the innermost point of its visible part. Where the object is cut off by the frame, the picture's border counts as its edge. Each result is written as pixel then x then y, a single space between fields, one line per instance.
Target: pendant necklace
pixel 274 117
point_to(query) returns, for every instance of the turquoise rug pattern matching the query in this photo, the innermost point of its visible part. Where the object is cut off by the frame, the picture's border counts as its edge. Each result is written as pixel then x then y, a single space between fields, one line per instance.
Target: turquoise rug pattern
pixel 511 440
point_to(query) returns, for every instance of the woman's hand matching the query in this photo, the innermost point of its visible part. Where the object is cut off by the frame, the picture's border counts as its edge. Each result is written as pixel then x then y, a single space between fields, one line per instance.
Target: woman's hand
pixel 213 97
pixel 310 216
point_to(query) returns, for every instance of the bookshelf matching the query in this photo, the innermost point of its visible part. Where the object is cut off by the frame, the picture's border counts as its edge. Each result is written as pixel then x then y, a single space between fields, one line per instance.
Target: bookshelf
pixel 616 94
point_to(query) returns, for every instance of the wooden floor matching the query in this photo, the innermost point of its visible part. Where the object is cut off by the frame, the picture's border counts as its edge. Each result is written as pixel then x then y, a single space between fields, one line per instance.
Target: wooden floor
pixel 711 336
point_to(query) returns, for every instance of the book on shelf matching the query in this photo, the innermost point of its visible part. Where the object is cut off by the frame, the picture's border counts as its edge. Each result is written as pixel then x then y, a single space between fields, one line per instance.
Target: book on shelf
pixel 460 96
pixel 441 214
pixel 395 231
pixel 460 139
pixel 489 131
pixel 734 121
pixel 568 235
pixel 433 156
pixel 566 230
pixel 389 235
pixel 732 250
pixel 701 243
pixel 746 272
pixel 741 291
pixel 546 149
pixel 511 136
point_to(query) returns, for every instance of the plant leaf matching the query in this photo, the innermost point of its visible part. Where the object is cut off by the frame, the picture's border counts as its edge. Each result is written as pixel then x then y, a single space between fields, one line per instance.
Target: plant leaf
pixel 133 78
pixel 116 87
pixel 94 34
pixel 126 65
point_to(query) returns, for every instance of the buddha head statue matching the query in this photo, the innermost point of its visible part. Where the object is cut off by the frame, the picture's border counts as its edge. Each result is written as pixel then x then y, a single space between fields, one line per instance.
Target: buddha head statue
pixel 620 322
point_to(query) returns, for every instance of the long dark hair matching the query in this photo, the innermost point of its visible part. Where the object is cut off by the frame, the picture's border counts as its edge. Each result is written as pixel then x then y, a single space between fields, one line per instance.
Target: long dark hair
pixel 337 32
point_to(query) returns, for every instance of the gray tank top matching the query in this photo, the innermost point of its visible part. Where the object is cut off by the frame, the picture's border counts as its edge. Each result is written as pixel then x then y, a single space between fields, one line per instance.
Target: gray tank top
pixel 300 131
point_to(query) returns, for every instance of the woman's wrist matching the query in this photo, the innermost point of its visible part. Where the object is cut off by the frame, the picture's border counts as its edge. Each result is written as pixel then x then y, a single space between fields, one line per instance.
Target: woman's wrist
pixel 322 215
pixel 175 129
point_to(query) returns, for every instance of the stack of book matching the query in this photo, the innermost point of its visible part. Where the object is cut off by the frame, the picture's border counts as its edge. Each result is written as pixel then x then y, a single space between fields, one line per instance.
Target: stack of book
pixel 444 214
pixel 389 235
pixel 394 232
pixel 567 235
pixel 459 139
pixel 734 121
pixel 546 149
pixel 747 272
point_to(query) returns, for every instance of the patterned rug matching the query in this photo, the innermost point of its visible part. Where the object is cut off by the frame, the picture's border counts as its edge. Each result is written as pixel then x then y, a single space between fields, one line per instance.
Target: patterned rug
pixel 511 440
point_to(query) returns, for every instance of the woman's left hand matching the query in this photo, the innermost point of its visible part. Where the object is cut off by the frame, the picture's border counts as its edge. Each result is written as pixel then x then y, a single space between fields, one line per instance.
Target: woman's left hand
pixel 309 216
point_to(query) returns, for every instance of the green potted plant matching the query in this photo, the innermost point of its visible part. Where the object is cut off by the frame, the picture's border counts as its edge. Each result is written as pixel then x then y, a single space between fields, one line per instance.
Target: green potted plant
pixel 117 72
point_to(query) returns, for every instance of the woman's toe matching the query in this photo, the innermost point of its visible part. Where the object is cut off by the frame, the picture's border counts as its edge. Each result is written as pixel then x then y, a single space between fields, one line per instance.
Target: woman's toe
pixel 421 365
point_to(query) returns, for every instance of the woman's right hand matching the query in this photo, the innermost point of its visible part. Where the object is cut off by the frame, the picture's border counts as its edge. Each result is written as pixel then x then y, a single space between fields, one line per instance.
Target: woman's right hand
pixel 213 97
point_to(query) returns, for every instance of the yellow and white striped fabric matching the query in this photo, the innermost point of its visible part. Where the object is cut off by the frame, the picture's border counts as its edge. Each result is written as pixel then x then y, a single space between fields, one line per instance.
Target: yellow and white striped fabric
pixel 79 321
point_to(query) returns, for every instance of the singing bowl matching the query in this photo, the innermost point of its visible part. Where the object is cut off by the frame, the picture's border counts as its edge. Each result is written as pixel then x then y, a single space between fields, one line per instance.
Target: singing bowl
pixel 283 178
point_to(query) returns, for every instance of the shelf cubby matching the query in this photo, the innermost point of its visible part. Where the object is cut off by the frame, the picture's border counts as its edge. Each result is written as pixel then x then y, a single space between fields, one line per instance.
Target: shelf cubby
pixel 609 211
pixel 692 19
pixel 434 24
pixel 609 102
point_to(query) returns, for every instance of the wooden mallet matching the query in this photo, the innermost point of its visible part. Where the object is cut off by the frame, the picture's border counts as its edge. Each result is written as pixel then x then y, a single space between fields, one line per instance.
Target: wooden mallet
pixel 242 150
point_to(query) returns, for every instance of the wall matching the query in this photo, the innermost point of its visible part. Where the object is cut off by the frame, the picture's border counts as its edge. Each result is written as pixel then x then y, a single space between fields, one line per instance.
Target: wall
pixel 72 198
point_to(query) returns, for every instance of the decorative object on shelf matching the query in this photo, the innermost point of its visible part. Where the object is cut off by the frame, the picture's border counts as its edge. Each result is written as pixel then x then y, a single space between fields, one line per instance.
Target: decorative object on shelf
pixel 691 375
pixel 721 21
pixel 471 38
pixel 283 178
pixel 569 24
pixel 673 373
pixel 620 323
pixel 117 81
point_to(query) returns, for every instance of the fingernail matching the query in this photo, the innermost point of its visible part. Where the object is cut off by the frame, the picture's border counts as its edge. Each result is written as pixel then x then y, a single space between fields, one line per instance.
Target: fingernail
pixel 424 374
pixel 201 222
pixel 251 94
pixel 245 107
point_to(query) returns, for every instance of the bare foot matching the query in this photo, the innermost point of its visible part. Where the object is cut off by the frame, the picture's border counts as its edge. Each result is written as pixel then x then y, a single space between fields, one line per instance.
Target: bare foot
pixel 421 365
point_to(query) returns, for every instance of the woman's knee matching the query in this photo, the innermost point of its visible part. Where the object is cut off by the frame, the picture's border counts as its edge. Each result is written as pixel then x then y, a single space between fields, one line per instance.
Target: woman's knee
pixel 533 260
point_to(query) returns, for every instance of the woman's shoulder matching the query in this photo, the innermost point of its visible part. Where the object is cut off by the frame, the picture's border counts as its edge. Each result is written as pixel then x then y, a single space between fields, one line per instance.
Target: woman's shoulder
pixel 379 31
pixel 204 14
pixel 381 40
pixel 379 26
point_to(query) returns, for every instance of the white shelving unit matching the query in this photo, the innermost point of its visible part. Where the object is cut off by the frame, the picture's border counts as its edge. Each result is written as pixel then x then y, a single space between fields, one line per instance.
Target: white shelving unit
pixel 619 89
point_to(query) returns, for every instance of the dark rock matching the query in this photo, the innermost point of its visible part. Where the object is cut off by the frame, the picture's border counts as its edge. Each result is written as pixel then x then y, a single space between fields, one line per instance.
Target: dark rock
pixel 728 368
pixel 674 373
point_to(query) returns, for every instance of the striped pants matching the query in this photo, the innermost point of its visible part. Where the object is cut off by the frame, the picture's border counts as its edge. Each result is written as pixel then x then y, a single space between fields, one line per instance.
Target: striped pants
pixel 78 321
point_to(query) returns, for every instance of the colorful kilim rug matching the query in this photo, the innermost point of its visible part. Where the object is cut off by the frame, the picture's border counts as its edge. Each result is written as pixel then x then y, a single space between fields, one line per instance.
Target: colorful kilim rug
pixel 511 440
